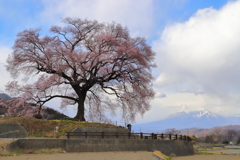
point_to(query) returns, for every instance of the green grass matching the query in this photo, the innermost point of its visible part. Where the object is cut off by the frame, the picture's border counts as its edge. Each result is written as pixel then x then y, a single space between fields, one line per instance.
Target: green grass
pixel 42 151
pixel 38 135
pixel 204 153
pixel 48 151
pixel 16 153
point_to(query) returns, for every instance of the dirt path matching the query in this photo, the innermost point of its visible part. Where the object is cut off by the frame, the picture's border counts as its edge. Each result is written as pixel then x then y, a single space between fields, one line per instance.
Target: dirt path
pixel 86 156
pixel 207 157
pixel 113 156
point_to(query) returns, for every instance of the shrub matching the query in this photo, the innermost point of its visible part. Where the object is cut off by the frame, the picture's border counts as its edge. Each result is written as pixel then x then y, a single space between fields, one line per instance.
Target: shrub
pixel 225 142
pixel 38 135
pixel 38 116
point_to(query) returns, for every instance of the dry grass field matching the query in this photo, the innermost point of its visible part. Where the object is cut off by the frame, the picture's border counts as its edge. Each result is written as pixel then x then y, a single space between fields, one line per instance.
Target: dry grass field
pixel 45 128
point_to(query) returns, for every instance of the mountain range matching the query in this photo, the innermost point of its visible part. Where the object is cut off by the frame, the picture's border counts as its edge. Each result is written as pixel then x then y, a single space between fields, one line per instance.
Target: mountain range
pixel 183 120
pixel 223 130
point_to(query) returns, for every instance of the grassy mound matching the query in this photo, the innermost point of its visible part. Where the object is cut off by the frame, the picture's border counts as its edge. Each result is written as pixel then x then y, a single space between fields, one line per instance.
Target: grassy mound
pixel 46 128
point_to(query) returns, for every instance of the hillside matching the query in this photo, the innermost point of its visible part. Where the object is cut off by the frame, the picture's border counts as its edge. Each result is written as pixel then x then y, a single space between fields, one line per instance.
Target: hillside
pixel 45 128
pixel 4 96
pixel 10 107
pixel 220 130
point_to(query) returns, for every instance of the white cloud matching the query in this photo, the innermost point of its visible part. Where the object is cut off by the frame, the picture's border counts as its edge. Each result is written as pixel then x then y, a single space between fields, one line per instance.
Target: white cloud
pixel 205 47
pixel 184 108
pixel 137 15
pixel 195 91
pixel 202 55
pixel 4 52
pixel 160 95
pixel 5 76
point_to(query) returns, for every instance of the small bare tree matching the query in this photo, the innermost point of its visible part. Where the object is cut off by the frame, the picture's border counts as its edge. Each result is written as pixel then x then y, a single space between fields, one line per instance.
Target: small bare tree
pixel 172 131
pixel 217 133
pixel 231 134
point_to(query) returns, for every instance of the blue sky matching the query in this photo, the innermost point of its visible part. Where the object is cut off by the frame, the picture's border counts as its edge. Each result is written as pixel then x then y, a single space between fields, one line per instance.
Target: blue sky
pixel 17 15
pixel 196 42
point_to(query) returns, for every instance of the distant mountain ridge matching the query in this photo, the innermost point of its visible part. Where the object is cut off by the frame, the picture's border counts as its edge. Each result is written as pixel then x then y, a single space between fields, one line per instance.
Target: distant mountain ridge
pixel 193 119
pixel 215 130
pixel 4 96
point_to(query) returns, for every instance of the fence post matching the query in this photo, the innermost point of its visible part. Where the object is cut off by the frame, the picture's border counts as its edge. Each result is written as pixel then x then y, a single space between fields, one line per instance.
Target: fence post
pixel 180 137
pixel 68 136
pixel 129 135
pixel 170 136
pixel 152 135
pixel 102 135
pixel 86 135
pixel 176 137
pixel 141 135
pixel 161 136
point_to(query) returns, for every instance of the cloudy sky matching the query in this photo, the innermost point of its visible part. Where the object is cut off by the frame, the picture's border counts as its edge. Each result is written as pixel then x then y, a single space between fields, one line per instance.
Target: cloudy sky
pixel 197 45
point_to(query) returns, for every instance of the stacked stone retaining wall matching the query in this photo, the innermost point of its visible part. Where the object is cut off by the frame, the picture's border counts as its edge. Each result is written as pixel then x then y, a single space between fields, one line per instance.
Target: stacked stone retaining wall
pixel 12 131
pixel 180 148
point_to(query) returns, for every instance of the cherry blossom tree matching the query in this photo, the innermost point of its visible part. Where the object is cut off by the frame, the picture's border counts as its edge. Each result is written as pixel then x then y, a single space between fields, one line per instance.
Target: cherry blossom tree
pixel 17 106
pixel 97 66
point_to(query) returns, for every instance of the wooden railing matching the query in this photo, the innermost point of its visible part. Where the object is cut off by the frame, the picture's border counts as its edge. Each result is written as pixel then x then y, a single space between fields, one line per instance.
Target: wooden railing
pixel 128 135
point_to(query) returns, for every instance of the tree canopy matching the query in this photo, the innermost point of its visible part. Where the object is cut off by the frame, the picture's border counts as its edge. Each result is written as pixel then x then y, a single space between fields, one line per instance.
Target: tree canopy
pixel 96 66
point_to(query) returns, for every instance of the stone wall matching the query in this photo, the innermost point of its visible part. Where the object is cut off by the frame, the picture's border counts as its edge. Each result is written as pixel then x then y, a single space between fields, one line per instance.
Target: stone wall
pixel 180 148
pixel 12 131
pixel 36 144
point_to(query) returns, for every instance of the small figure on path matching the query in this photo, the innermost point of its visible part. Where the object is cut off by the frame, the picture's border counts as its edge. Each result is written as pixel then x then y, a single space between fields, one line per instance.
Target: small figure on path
pixel 129 126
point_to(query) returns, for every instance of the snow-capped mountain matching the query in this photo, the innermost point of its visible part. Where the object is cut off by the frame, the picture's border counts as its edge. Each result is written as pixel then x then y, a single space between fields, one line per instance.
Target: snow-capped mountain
pixel 194 119
pixel 195 114
pixel 203 113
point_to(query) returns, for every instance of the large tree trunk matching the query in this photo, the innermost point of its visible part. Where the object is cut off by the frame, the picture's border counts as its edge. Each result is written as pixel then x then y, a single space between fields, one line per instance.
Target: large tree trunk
pixel 80 110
